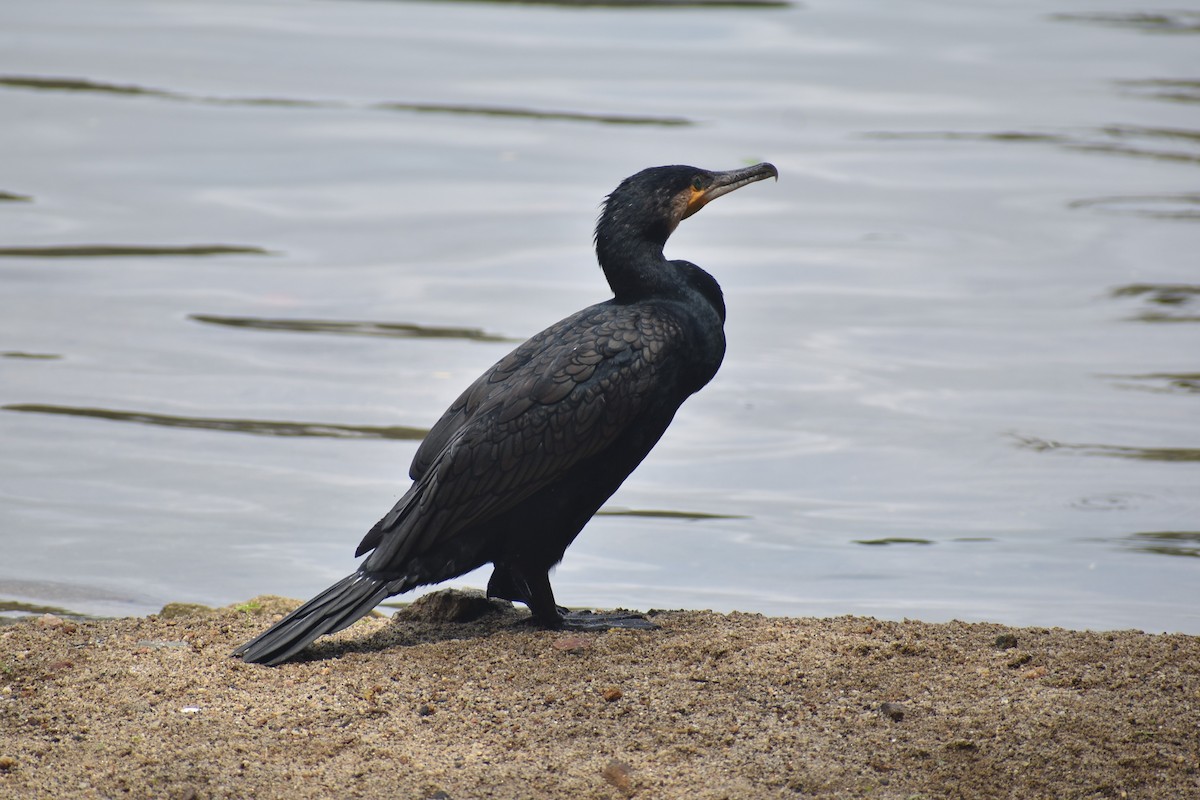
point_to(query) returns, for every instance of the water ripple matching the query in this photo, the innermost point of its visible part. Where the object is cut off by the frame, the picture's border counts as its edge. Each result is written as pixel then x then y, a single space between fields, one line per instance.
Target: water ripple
pixel 256 427
pixel 1165 543
pixel 1172 90
pixel 1168 454
pixel 1123 140
pixel 641 3
pixel 664 514
pixel 1162 206
pixel 1147 22
pixel 1169 302
pixel 85 85
pixel 135 250
pixel 397 330
pixel 30 356
pixel 1160 382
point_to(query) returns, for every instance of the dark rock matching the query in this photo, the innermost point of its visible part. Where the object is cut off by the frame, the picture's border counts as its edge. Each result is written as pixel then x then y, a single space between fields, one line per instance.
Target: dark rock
pixel 1006 641
pixel 893 711
pixel 176 610
pixel 453 605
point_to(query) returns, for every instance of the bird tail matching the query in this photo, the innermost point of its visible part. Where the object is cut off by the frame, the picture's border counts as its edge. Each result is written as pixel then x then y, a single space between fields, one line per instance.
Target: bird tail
pixel 336 608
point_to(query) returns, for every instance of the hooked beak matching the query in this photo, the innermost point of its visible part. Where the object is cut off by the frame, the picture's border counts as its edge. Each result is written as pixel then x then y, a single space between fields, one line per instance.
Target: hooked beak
pixel 725 182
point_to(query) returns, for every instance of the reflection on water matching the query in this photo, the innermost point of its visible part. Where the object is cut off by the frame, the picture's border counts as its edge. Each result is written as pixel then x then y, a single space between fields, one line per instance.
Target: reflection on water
pixel 1162 382
pixel 1167 294
pixel 608 511
pixel 134 250
pixel 397 330
pixel 1172 302
pixel 1166 543
pixel 1167 454
pixel 890 540
pixel 78 85
pixel 32 356
pixel 1140 131
pixel 1166 206
pixel 562 116
pixel 633 4
pixel 1142 141
pixel 1116 501
pixel 984 136
pixel 253 426
pixel 13 197
pixel 1150 22
pixel 1169 89
pixel 84 85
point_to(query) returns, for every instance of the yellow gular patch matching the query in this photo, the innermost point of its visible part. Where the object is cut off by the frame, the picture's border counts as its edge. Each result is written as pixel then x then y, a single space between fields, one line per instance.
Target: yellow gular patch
pixel 695 202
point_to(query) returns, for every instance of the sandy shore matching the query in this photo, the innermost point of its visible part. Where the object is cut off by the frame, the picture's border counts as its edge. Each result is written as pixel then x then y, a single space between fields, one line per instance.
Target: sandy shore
pixel 710 706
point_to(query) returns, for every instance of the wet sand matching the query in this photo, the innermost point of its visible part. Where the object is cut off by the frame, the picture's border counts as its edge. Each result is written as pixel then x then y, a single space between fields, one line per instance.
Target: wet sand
pixel 709 706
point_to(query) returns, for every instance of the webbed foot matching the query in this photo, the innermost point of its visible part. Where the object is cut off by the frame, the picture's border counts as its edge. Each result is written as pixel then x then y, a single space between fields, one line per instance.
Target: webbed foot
pixel 603 621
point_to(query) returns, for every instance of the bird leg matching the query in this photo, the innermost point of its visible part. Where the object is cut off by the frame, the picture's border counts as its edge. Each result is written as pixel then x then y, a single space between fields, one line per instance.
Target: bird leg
pixel 510 583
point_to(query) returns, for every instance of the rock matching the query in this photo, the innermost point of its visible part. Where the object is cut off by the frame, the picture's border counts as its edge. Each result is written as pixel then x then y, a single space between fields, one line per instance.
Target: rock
pixel 893 711
pixel 453 605
pixel 1006 641
pixel 1019 661
pixel 572 644
pixel 176 610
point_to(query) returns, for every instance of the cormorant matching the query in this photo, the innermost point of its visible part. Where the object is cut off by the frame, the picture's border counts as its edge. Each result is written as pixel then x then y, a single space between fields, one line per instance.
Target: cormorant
pixel 530 451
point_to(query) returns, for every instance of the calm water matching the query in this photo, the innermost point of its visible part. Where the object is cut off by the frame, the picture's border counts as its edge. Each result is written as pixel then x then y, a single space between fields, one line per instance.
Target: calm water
pixel 252 248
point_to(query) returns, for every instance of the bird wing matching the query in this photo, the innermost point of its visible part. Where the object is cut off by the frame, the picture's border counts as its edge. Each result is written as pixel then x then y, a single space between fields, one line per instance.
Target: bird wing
pixel 487 386
pixel 560 398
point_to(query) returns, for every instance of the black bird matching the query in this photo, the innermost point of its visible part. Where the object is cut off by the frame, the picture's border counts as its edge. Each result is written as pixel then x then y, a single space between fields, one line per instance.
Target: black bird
pixel 527 454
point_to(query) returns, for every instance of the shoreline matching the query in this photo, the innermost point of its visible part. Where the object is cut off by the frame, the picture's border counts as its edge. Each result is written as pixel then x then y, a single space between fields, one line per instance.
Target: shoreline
pixel 708 706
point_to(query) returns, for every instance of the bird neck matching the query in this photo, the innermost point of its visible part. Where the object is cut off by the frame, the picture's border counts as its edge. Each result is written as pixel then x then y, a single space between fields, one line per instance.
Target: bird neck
pixel 634 273
pixel 637 273
pixel 629 247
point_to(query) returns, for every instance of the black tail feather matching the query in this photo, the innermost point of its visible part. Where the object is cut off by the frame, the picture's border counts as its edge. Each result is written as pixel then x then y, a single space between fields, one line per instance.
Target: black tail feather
pixel 332 610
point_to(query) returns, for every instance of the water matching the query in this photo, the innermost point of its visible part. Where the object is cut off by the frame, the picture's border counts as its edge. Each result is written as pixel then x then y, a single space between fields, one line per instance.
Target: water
pixel 251 249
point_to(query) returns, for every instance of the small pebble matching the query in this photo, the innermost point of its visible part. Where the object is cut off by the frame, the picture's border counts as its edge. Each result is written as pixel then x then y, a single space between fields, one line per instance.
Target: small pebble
pixel 612 694
pixel 620 775
pixel 893 711
pixel 177 610
pixel 1006 641
pixel 572 644
pixel 161 644
pixel 49 621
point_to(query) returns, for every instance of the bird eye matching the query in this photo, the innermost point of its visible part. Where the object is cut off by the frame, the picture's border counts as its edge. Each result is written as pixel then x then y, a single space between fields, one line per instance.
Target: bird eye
pixel 697 183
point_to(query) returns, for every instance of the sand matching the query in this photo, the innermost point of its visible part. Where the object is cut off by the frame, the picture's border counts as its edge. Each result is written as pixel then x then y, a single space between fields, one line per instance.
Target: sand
pixel 709 706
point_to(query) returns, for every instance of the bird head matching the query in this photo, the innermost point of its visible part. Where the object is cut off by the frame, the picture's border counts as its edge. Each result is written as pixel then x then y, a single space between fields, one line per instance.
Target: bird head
pixel 650 205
